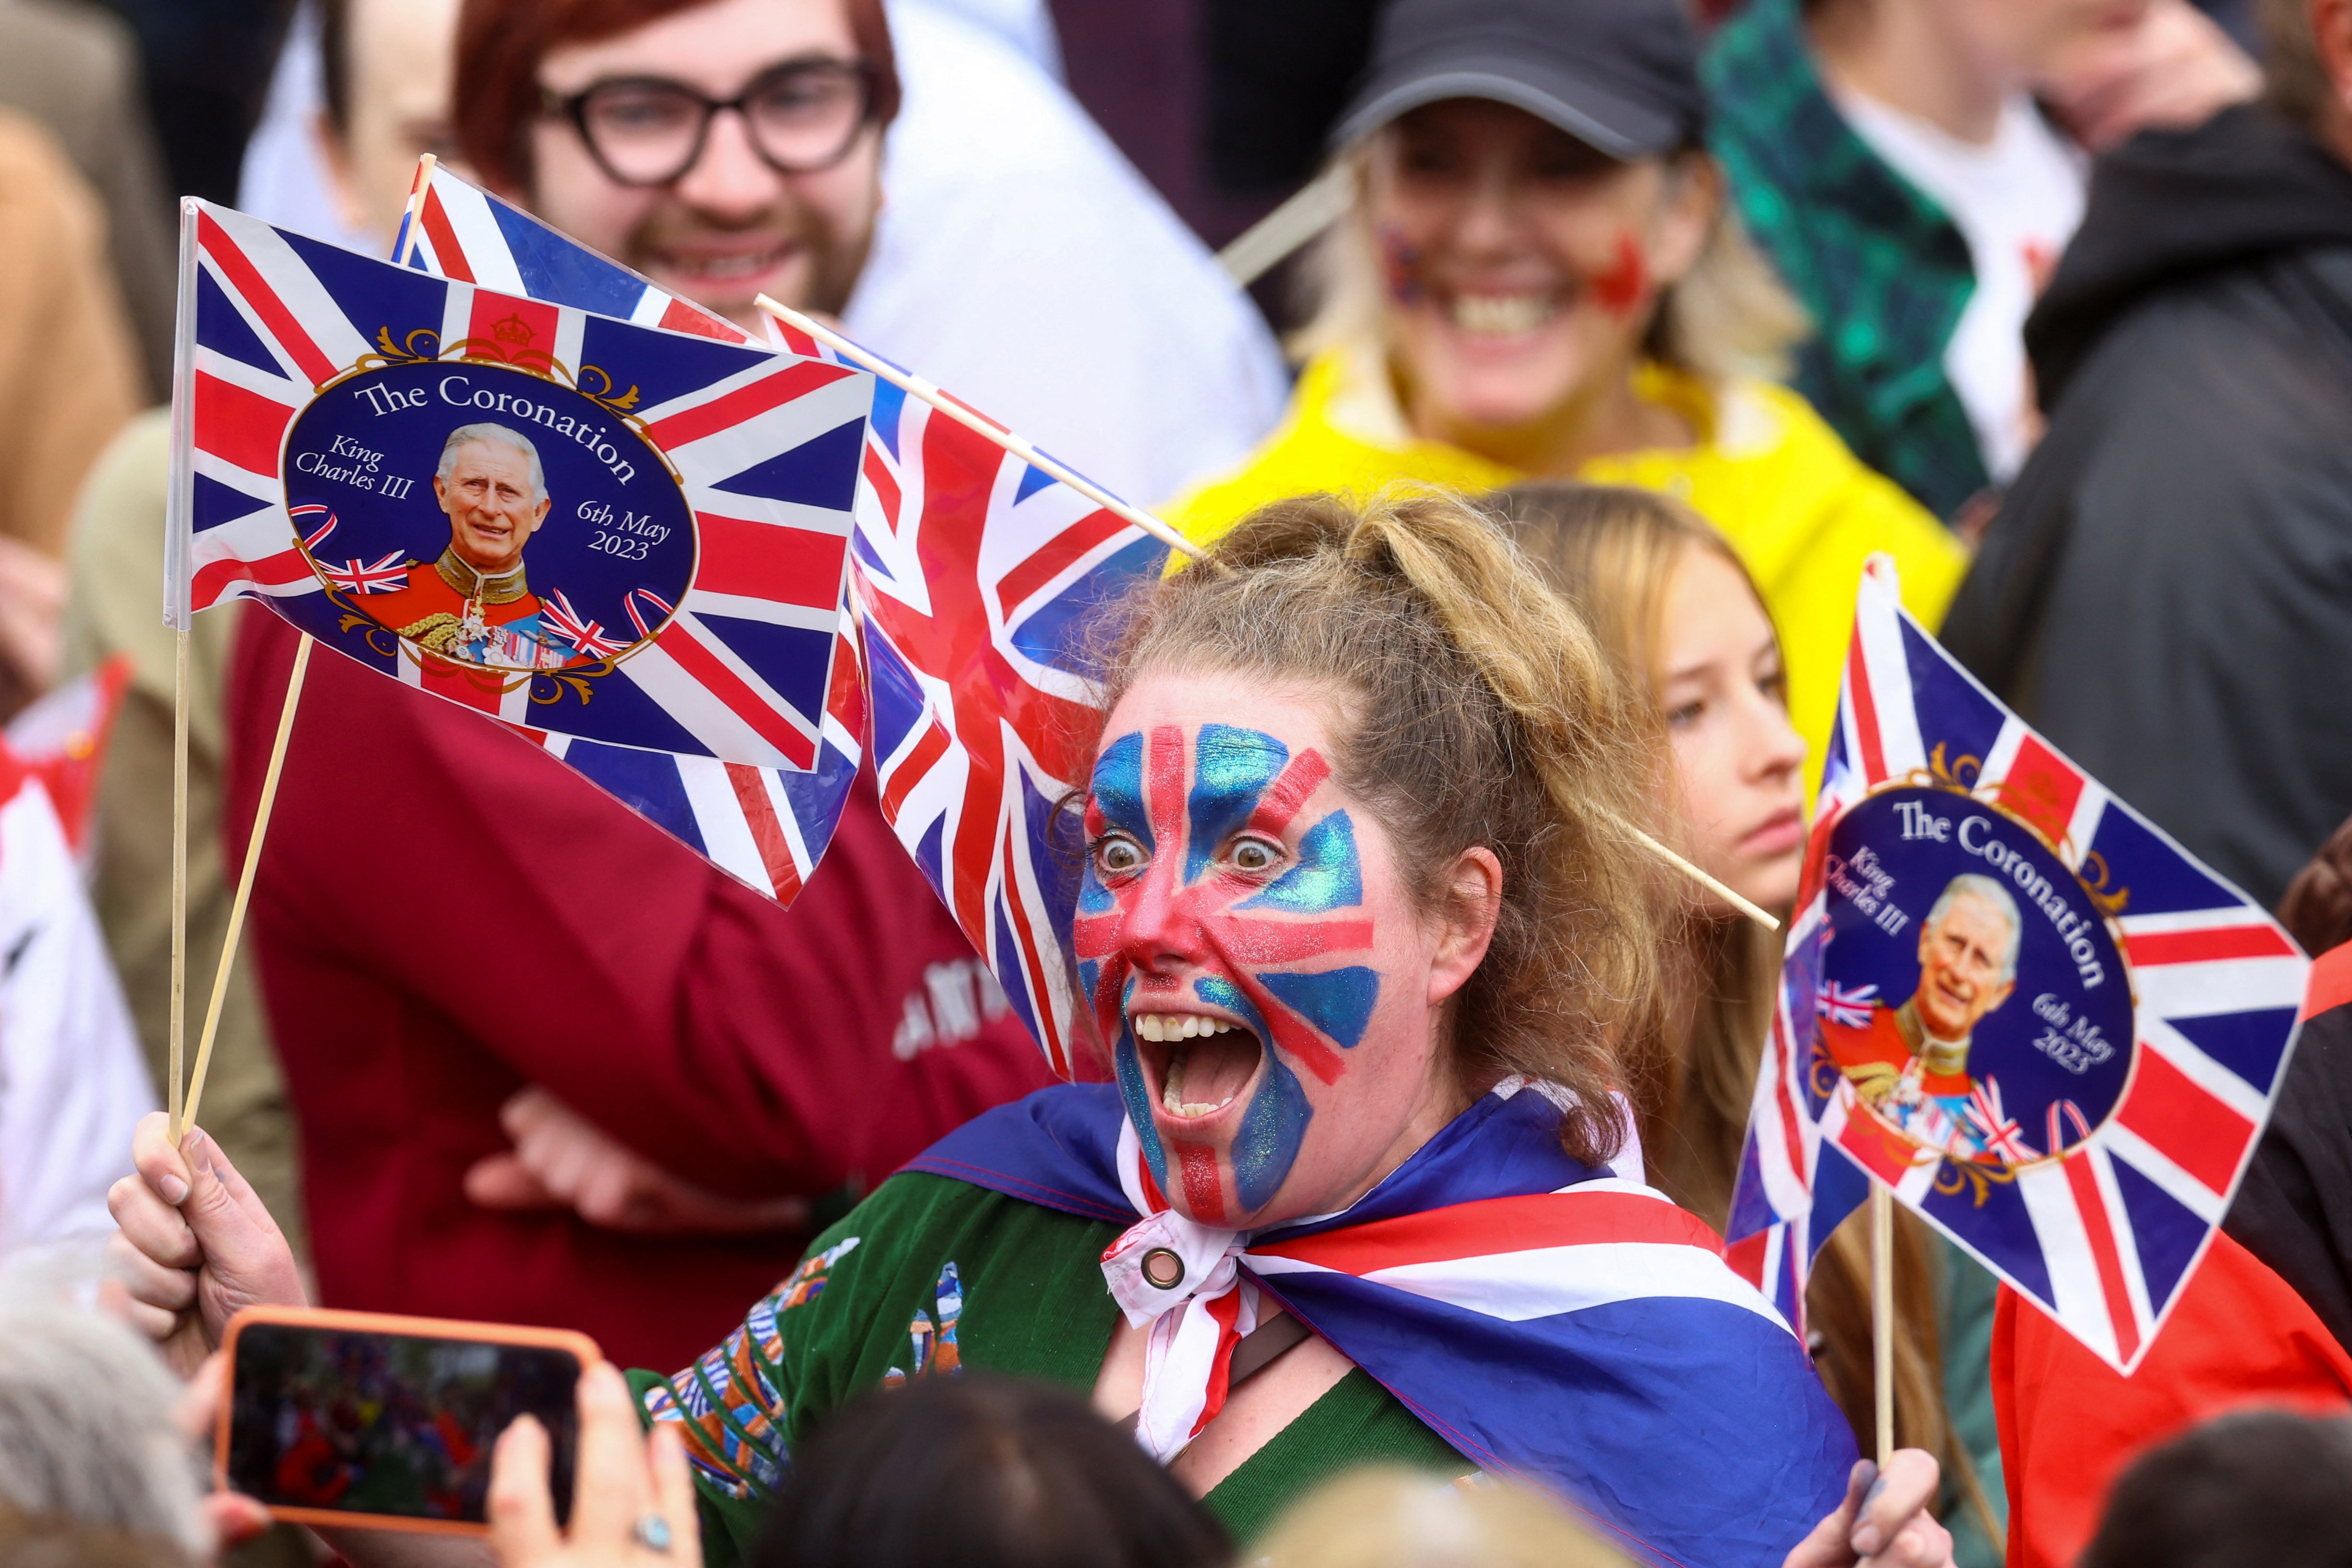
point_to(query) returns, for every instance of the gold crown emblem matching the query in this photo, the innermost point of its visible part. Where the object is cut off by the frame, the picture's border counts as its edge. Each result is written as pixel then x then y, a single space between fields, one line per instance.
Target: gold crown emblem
pixel 513 330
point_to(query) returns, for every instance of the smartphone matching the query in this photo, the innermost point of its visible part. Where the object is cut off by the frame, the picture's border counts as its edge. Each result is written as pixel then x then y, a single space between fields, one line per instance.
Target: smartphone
pixel 386 1422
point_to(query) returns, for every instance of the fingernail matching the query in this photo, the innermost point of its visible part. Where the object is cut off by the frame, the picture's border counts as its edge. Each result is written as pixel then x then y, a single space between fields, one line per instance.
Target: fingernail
pixel 1865 1472
pixel 1868 1541
pixel 1877 1490
pixel 174 1191
pixel 197 1150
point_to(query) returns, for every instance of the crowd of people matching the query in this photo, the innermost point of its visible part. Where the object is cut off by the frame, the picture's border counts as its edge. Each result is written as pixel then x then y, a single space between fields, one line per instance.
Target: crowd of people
pixel 1642 328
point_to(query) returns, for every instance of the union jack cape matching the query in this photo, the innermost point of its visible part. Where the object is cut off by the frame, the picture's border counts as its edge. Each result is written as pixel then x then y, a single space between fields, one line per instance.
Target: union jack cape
pixel 979 579
pixel 2099 1217
pixel 1551 1322
pixel 766 827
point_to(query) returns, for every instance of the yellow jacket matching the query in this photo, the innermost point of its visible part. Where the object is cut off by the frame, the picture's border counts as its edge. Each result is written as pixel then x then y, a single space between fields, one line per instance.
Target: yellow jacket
pixel 1801 509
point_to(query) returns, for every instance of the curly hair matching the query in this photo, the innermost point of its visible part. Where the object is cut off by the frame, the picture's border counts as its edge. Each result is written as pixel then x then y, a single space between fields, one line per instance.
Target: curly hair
pixel 1472 707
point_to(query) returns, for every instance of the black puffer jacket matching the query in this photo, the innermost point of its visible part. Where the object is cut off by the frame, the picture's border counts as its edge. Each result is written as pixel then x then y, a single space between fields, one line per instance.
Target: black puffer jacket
pixel 2168 591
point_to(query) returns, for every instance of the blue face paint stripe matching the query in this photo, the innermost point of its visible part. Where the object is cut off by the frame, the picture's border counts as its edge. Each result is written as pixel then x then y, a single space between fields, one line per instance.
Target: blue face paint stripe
pixel 1231 768
pixel 1273 1123
pixel 1267 1144
pixel 1117 789
pixel 1337 1002
pixel 1328 875
pixel 1136 1094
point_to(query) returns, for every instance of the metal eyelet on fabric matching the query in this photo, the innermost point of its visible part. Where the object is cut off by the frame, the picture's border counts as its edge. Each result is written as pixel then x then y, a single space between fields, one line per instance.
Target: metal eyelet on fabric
pixel 1162 1269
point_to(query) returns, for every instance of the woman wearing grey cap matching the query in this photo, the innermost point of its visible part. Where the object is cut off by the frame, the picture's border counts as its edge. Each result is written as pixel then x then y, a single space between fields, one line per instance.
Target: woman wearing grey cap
pixel 1537 277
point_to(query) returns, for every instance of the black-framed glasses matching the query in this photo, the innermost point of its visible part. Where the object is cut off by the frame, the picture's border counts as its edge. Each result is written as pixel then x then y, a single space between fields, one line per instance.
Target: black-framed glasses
pixel 801 116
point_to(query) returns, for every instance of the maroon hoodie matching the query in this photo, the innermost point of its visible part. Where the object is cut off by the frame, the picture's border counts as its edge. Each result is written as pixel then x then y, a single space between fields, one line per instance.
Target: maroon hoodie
pixel 444 914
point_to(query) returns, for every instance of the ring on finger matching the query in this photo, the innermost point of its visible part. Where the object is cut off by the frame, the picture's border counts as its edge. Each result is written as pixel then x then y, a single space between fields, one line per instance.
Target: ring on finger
pixel 653 1532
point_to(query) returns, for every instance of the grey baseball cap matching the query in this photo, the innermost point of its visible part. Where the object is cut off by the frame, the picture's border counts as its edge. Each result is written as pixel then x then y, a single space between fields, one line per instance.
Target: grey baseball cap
pixel 1619 75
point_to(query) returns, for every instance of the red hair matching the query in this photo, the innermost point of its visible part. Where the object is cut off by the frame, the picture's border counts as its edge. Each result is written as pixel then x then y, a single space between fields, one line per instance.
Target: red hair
pixel 500 44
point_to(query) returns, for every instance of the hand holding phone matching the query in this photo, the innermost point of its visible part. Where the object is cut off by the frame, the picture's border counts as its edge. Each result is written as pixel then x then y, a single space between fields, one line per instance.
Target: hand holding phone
pixel 636 1507
pixel 376 1422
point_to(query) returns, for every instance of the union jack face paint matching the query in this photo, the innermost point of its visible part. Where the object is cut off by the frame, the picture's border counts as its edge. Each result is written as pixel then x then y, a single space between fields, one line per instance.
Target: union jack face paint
pixel 1225 942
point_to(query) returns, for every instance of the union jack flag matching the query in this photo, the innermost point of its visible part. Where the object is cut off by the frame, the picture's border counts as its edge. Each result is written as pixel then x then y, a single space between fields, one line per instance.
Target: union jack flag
pixel 468 234
pixel 582 633
pixel 976 577
pixel 1995 1127
pixel 766 827
pixel 1848 1004
pixel 377 577
pixel 2102 1231
pixel 762 448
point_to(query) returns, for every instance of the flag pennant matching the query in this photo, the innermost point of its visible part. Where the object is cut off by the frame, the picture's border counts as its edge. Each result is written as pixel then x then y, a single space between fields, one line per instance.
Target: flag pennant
pixel 539 477
pixel 2010 998
pixel 765 826
pixel 979 580
pixel 465 233
pixel 62 740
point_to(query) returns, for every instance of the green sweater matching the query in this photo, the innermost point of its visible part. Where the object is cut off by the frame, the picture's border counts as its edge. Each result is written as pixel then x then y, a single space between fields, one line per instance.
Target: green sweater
pixel 930 1274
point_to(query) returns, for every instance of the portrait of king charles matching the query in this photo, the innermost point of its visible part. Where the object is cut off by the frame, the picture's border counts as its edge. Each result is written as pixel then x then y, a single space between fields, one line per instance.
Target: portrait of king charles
pixel 473 603
pixel 1910 1064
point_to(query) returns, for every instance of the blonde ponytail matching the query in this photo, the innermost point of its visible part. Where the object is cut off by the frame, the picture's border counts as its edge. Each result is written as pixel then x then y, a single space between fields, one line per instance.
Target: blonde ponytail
pixel 1472 707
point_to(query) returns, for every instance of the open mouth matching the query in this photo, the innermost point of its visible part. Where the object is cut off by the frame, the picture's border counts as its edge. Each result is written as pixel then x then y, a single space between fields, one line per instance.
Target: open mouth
pixel 1202 1064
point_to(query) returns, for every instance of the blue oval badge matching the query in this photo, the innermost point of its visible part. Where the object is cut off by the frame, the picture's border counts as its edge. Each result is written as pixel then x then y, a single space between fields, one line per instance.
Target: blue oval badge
pixel 1971 992
pixel 487 516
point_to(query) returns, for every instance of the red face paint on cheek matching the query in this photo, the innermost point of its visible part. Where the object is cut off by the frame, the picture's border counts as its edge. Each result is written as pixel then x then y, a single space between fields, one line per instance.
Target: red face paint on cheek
pixel 1622 289
pixel 1400 267
pixel 1204 1191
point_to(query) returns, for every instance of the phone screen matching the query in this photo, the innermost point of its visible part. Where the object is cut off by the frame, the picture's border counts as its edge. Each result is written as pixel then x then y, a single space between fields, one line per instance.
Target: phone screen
pixel 361 1422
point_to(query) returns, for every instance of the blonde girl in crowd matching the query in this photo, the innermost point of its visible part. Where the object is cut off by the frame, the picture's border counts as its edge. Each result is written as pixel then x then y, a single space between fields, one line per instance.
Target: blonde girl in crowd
pixel 1673 605
pixel 1537 277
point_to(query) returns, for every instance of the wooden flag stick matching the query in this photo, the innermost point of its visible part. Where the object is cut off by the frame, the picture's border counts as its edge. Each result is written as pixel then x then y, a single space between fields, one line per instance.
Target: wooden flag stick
pixel 404 249
pixel 915 385
pixel 245 885
pixel 1702 879
pixel 1882 1315
pixel 1312 208
pixel 179 870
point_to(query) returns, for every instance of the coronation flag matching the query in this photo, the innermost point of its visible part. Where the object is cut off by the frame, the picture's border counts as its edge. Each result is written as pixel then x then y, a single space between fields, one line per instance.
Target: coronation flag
pixel 977 577
pixel 693 511
pixel 2007 995
pixel 766 827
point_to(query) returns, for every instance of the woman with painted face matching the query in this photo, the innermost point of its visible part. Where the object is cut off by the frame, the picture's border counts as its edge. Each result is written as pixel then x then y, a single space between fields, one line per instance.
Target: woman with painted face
pixel 1359 923
pixel 1681 619
pixel 1537 277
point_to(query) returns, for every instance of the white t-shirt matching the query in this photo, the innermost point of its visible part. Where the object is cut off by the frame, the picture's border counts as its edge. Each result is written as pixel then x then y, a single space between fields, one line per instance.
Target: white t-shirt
pixel 1024 264
pixel 2016 200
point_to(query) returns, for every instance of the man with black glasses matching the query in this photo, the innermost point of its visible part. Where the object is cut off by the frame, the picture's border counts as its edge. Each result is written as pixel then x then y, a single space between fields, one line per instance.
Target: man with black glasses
pixel 725 149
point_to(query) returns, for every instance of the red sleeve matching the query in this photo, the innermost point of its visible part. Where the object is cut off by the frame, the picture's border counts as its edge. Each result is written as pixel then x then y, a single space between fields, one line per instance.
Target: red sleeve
pixel 745 1047
pixel 2069 1425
